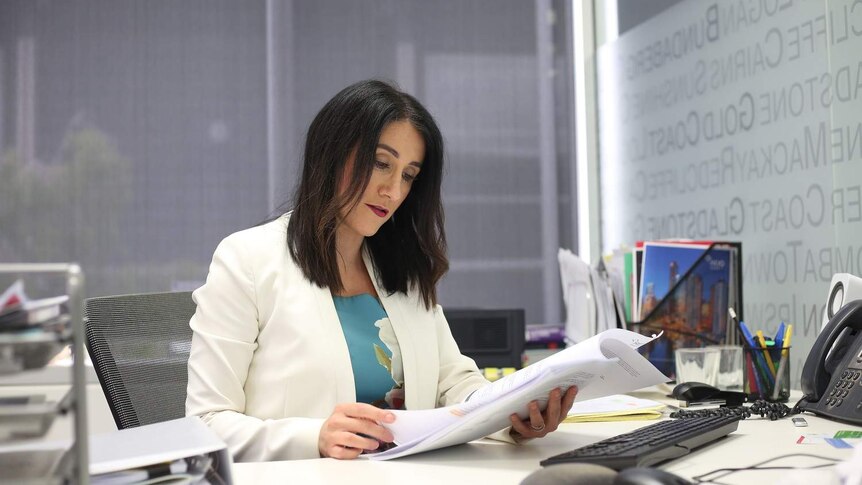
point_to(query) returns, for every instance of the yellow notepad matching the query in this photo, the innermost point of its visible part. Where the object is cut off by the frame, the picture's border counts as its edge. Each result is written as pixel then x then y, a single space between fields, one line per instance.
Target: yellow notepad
pixel 618 407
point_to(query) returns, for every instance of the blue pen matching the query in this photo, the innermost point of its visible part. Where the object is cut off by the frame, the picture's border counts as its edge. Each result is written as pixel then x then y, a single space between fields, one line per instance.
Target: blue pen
pixel 747 334
pixel 779 337
pixel 749 340
pixel 757 357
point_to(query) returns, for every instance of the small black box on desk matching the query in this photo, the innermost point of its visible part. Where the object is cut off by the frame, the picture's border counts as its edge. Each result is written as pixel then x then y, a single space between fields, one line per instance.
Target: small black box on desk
pixel 491 337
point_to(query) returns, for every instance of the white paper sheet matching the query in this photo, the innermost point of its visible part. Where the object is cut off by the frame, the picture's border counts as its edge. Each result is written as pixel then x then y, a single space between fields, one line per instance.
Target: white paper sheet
pixel 578 296
pixel 162 442
pixel 617 403
pixel 600 366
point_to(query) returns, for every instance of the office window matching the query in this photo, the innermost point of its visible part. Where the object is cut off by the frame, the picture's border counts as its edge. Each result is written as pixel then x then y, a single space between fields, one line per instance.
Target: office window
pixel 134 136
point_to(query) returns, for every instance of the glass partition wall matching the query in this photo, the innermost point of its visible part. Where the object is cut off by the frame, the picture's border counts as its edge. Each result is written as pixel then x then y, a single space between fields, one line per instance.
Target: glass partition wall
pixel 737 121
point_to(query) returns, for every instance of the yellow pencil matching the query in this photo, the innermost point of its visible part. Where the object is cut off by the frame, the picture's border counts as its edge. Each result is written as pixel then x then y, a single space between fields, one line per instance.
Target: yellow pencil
pixel 788 332
pixel 762 342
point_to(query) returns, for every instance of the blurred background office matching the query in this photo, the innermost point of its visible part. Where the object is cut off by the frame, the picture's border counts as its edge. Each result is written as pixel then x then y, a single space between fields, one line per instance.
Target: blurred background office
pixel 135 135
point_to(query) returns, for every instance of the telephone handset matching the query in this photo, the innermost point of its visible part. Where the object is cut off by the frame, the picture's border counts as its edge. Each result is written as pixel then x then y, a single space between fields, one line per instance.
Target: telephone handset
pixel 832 374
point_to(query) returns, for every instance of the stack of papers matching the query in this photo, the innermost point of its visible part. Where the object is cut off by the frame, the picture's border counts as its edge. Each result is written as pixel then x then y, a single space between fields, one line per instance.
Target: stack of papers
pixel 182 450
pixel 600 366
pixel 588 297
pixel 31 331
pixel 19 312
pixel 618 407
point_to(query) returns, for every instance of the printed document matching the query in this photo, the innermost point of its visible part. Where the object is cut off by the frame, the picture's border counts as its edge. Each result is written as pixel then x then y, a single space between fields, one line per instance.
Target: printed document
pixel 618 407
pixel 605 364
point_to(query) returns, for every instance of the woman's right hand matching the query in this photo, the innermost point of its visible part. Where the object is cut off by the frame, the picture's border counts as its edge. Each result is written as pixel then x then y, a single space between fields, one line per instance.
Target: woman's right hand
pixel 352 428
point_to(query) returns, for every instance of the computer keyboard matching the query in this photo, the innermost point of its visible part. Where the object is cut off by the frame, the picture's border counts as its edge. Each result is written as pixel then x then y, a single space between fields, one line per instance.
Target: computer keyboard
pixel 651 444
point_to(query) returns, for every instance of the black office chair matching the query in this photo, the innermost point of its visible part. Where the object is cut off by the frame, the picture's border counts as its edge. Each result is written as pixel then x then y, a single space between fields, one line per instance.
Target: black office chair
pixel 140 347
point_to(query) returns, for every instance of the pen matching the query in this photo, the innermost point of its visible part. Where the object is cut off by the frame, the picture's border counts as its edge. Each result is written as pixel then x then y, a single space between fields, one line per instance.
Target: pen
pixel 779 336
pixel 757 360
pixel 754 384
pixel 785 353
pixel 747 334
pixel 781 365
pixel 766 355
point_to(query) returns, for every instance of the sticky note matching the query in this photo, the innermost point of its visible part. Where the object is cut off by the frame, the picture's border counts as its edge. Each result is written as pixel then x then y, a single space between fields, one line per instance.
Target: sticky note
pixel 812 439
pixel 848 433
pixel 492 373
pixel 838 443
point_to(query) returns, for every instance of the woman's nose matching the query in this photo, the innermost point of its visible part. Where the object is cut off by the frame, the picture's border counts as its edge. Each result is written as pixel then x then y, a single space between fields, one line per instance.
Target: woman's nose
pixel 390 187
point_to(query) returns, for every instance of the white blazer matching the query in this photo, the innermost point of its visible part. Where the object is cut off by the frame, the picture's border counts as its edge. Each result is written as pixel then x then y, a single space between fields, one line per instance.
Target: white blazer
pixel 269 361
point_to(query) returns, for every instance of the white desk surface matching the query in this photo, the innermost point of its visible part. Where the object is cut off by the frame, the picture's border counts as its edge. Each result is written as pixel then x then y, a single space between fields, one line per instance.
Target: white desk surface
pixel 487 461
pixel 492 462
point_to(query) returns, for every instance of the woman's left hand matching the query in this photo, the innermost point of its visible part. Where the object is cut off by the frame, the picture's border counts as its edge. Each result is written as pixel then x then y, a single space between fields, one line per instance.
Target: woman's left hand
pixel 539 424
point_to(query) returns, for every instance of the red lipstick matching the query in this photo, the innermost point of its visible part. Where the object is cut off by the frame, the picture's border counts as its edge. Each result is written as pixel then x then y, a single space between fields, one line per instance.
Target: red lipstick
pixel 379 211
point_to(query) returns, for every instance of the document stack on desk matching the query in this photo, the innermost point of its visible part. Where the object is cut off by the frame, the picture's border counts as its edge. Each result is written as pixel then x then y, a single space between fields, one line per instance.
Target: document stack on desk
pixel 618 407
pixel 600 366
pixel 182 450
pixel 31 331
pixel 589 299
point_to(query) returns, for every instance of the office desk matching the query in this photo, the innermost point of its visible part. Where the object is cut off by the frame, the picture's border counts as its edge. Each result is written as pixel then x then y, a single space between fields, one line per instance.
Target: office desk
pixel 491 462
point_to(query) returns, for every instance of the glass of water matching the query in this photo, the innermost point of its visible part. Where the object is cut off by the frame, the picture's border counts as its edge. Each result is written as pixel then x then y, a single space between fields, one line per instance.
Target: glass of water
pixel 697 365
pixel 730 377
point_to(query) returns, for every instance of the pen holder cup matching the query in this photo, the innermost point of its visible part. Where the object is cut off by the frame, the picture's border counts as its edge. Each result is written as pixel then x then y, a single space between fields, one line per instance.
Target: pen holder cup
pixel 767 373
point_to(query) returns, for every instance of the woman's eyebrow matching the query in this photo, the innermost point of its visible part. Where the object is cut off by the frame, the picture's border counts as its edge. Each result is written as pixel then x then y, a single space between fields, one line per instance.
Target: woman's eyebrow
pixel 388 149
pixel 395 153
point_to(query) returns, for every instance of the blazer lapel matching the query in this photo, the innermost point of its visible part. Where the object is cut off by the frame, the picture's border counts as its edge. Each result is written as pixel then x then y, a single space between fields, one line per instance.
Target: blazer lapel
pixel 335 345
pixel 398 315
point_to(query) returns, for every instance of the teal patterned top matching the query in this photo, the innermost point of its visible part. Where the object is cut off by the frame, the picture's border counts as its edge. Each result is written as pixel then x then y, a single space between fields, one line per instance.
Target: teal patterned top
pixel 358 315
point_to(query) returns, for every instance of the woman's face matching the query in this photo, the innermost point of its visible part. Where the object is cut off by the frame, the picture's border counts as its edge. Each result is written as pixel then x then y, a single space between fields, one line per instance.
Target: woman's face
pixel 397 162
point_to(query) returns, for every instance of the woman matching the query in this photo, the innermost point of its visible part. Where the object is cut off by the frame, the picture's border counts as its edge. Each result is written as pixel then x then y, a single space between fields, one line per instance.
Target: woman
pixel 307 320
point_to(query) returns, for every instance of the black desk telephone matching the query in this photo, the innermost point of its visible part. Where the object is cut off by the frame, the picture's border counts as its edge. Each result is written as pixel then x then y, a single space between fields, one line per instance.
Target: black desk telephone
pixel 832 374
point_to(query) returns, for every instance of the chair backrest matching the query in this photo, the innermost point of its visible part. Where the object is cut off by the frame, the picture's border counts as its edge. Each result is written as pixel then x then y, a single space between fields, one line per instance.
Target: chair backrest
pixel 139 345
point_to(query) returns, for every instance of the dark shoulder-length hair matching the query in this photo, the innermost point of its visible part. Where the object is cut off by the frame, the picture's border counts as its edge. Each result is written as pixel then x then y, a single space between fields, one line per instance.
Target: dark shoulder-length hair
pixel 409 250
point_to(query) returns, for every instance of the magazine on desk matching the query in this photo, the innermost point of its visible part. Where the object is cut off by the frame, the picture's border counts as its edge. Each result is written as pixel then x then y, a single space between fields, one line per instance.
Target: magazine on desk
pixel 605 364
pixel 688 289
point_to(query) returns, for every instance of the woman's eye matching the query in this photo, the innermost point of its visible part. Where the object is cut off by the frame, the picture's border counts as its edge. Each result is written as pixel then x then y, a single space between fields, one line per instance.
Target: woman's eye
pixel 408 177
pixel 381 165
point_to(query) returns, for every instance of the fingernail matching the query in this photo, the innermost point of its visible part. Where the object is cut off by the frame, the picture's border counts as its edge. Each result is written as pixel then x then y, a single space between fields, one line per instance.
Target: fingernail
pixel 389 418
